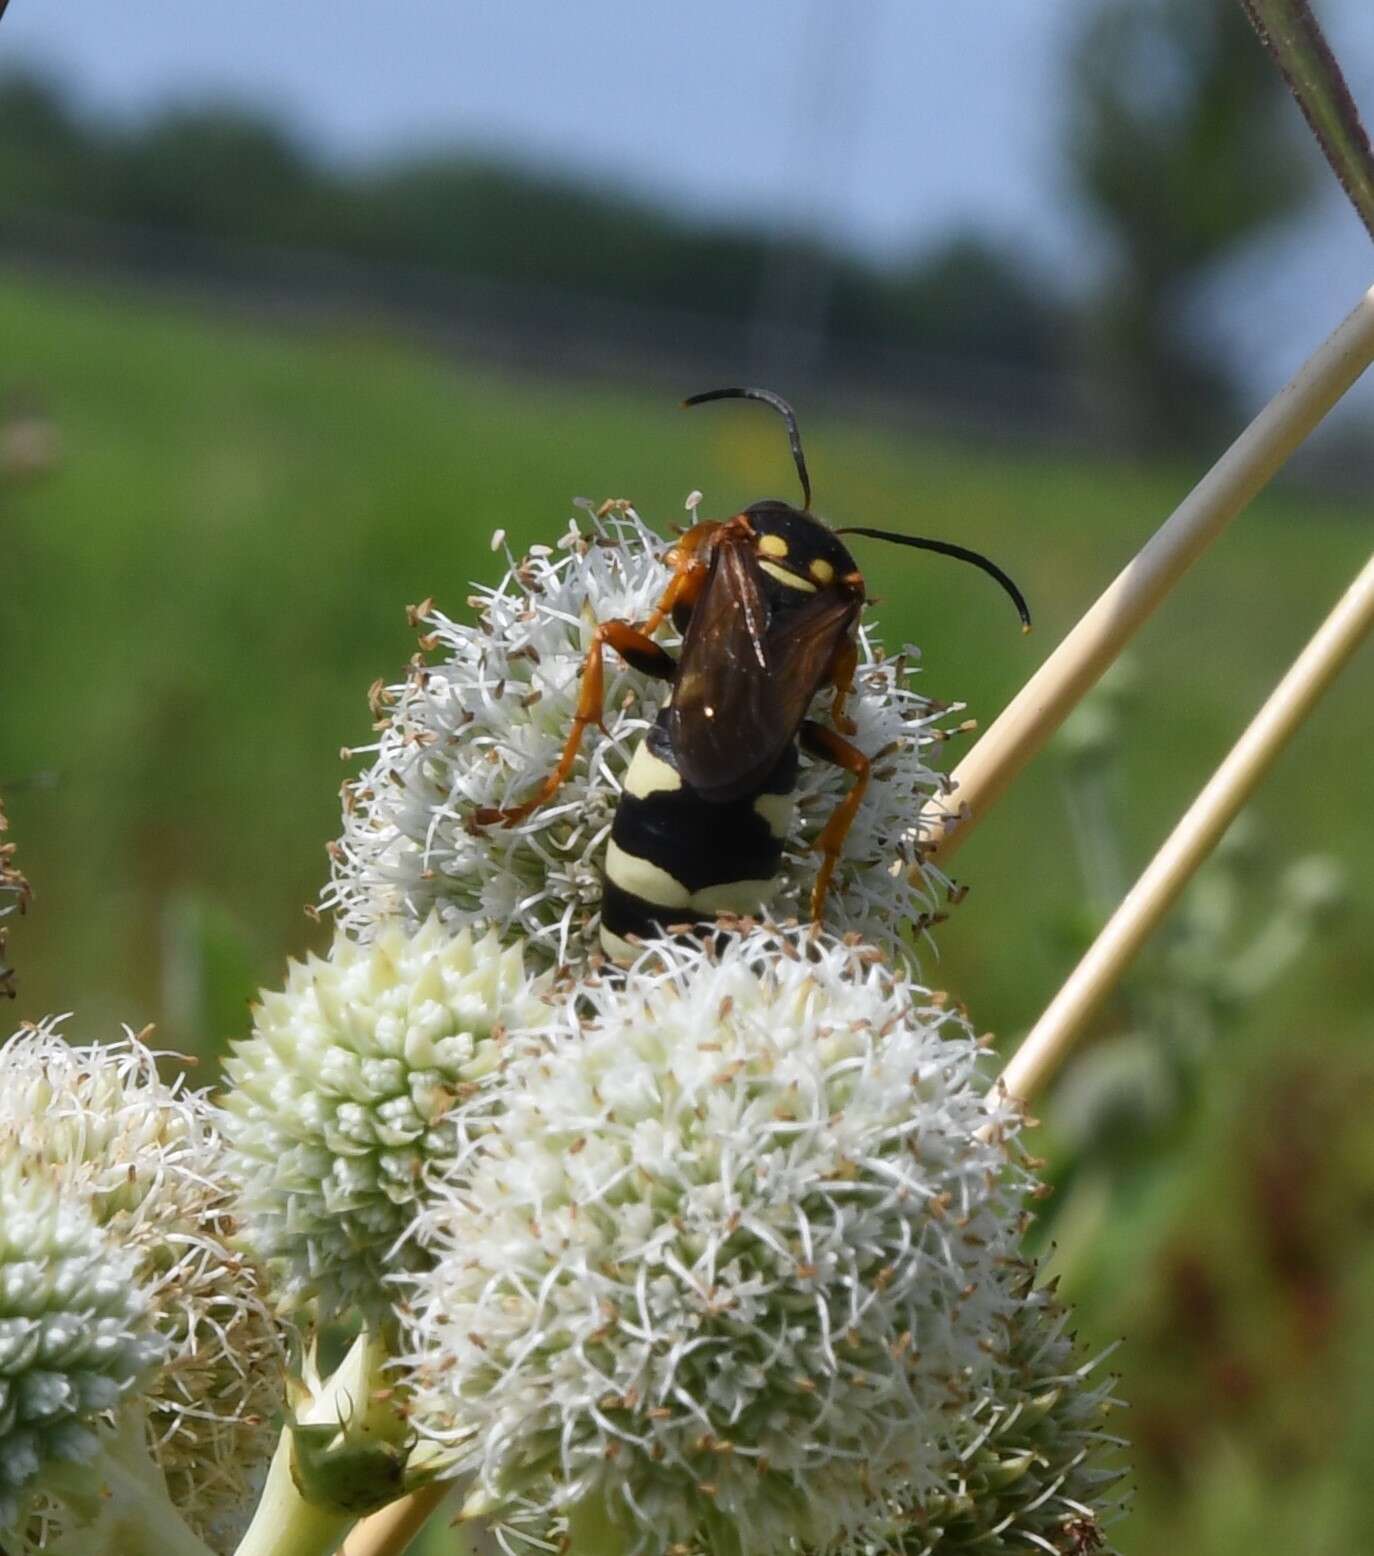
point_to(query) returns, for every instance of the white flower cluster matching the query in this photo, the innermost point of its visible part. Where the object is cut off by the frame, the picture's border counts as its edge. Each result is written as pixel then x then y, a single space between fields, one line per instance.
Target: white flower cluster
pixel 339 1099
pixel 75 1336
pixel 144 1161
pixel 727 1259
pixel 716 1255
pixel 484 725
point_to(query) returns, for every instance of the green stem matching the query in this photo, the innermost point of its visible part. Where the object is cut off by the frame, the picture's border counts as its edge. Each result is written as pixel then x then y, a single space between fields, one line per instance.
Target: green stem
pixel 340 1455
pixel 285 1524
pixel 591 1532
pixel 120 1501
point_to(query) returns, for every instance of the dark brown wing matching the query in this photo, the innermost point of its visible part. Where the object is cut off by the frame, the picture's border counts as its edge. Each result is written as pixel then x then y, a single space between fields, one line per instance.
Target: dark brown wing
pixel 804 645
pixel 738 697
pixel 720 692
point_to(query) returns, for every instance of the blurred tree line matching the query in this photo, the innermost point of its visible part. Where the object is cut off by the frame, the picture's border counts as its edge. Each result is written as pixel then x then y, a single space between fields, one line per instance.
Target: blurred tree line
pixel 1179 141
pixel 231 173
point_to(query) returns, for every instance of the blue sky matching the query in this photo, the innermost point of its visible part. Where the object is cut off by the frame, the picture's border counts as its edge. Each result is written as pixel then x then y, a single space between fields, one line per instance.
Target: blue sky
pixel 884 121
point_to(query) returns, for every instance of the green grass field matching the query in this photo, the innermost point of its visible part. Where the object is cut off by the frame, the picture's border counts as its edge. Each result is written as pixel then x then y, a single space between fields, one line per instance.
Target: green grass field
pixel 193 604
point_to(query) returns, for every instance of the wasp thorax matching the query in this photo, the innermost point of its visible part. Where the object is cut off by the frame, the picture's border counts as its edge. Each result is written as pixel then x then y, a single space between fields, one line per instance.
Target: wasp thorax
pixel 797 551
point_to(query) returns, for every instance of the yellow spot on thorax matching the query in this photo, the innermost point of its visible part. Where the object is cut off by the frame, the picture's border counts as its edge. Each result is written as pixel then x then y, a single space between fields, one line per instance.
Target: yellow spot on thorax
pixel 822 571
pixel 790 579
pixel 773 545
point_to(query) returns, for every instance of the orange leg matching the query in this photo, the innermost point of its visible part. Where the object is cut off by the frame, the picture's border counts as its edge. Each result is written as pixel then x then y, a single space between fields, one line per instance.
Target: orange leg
pixel 636 646
pixel 637 649
pixel 846 663
pixel 826 744
pixel 689 573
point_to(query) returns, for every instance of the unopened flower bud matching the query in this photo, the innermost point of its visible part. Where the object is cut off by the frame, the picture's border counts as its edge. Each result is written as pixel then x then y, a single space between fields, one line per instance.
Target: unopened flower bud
pixel 75 1330
pixel 338 1102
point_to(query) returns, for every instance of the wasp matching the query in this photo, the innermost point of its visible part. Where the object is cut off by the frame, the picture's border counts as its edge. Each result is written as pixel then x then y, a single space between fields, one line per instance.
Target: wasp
pixel 768 604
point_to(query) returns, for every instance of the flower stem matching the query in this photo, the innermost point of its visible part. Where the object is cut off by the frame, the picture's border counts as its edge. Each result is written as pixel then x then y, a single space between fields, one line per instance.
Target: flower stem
pixel 591 1532
pixel 1073 668
pixel 1193 839
pixel 389 1532
pixel 285 1524
pixel 121 1502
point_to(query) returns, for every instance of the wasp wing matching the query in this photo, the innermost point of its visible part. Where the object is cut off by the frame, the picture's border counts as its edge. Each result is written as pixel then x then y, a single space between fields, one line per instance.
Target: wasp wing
pixel 719 715
pixel 805 645
pixel 744 683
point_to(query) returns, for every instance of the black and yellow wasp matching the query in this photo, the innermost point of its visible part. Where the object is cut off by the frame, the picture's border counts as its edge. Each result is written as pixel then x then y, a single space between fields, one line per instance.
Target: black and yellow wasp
pixel 768 604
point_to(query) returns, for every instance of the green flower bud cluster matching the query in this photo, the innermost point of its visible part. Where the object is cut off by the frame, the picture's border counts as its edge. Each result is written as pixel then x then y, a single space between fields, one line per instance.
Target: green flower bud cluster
pixel 340 1100
pixel 76 1333
pixel 144 1161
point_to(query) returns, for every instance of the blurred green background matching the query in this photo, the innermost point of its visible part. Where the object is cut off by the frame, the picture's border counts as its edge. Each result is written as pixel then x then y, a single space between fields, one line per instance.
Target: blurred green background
pixel 216 504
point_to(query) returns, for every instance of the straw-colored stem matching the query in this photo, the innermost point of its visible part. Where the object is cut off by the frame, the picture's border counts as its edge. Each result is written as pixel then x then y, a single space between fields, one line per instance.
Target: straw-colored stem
pixel 284 1522
pixel 1192 839
pixel 1075 666
pixel 390 1531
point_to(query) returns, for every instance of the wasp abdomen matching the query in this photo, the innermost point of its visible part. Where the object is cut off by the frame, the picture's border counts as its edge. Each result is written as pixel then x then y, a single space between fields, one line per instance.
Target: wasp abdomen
pixel 676 856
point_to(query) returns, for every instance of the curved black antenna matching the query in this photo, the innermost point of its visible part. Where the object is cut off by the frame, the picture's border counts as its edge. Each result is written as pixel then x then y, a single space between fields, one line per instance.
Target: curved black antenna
pixel 948 548
pixel 783 409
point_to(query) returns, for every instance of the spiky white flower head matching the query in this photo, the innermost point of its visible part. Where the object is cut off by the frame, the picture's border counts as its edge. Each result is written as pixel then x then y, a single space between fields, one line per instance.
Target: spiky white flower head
pixel 75 1330
pixel 485 725
pixel 1036 1471
pixel 147 1159
pixel 1033 1467
pixel 724 1262
pixel 338 1101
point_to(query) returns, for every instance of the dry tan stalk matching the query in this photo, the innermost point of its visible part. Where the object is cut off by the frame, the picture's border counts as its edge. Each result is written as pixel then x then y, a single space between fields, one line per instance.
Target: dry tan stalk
pixel 389 1532
pixel 1193 839
pixel 1051 694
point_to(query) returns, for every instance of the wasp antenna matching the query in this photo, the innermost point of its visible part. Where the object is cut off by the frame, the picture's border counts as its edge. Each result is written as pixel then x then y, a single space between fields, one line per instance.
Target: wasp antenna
pixel 948 548
pixel 783 409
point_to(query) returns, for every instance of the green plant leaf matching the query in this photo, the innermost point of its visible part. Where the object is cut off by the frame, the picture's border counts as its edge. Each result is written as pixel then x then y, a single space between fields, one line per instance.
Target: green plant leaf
pixel 1288 29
